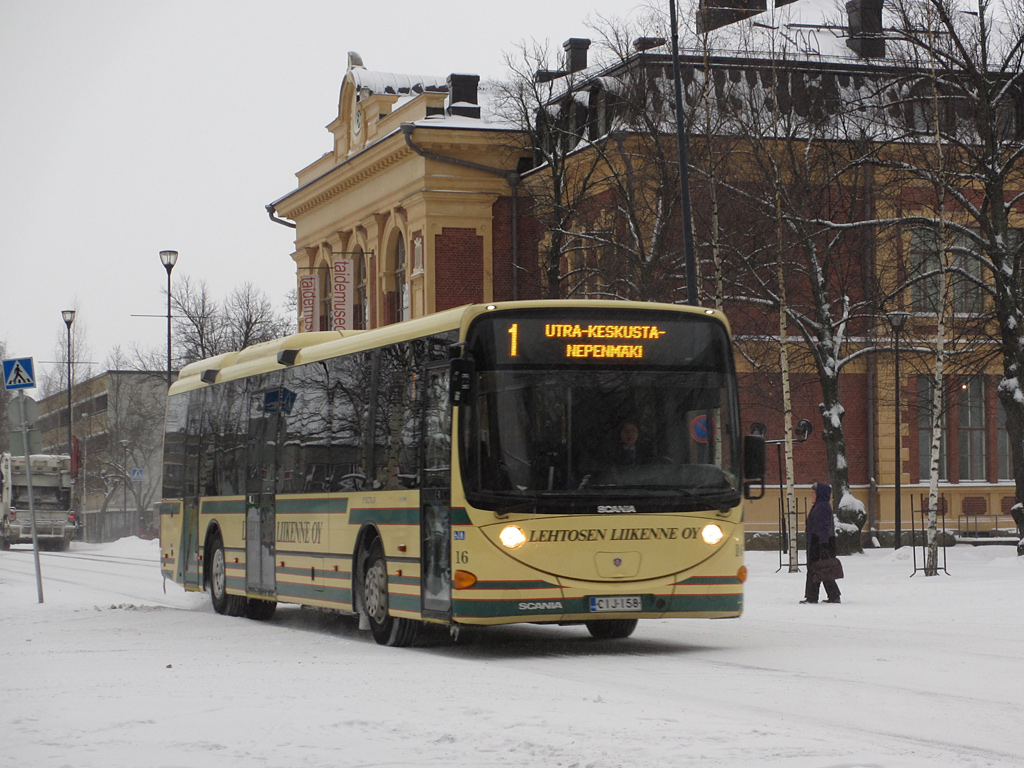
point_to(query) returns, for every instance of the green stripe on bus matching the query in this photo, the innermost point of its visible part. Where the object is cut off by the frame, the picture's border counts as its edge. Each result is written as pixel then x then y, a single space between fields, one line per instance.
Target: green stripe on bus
pixel 555 606
pixel 402 602
pixel 705 603
pixel 315 506
pixel 234 582
pixel 223 506
pixel 484 585
pixel 706 581
pixel 409 581
pixel 331 594
pixel 386 516
pixel 490 609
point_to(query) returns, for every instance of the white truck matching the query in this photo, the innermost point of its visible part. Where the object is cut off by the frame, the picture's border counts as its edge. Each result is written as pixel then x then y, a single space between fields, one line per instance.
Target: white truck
pixel 51 497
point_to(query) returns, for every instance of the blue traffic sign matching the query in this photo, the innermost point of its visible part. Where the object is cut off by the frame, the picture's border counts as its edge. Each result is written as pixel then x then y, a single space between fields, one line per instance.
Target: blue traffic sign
pixel 19 373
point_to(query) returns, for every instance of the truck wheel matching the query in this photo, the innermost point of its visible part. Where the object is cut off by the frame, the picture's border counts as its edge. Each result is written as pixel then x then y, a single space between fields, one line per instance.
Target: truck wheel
pixel 223 603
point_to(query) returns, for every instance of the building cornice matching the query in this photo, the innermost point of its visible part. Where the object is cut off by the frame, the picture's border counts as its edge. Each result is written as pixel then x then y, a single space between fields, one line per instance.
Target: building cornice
pixel 382 155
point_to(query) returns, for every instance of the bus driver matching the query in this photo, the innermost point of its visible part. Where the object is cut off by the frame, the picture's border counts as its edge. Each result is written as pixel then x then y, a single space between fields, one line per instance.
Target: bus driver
pixel 631 448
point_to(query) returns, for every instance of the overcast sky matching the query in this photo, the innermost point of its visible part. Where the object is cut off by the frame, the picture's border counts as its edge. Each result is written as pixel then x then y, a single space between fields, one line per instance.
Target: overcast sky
pixel 132 126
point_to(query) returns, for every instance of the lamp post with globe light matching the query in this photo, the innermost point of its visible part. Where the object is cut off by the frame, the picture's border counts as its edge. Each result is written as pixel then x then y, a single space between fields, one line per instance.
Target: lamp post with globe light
pixel 69 318
pixel 897 320
pixel 168 259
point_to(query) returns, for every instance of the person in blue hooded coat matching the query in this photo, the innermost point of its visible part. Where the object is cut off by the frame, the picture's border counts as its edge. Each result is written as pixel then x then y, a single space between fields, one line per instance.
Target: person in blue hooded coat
pixel 821 543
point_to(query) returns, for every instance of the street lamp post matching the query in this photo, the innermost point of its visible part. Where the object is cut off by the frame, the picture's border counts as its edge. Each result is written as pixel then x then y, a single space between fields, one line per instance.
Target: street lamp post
pixel 897 320
pixel 69 318
pixel 83 495
pixel 684 167
pixel 168 259
pixel 125 476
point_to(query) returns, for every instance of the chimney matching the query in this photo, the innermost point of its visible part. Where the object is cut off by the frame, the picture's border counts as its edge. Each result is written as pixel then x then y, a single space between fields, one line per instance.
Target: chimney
pixel 646 43
pixel 576 53
pixel 712 14
pixel 547 75
pixel 865 31
pixel 462 95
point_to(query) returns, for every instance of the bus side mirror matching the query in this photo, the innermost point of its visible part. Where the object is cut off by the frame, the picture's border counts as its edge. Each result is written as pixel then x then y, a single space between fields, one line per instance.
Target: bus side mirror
pixel 463 374
pixel 754 466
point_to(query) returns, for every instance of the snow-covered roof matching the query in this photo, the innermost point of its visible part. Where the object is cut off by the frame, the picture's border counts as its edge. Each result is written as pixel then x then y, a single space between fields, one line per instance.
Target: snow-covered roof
pixel 813 28
pixel 820 29
pixel 369 83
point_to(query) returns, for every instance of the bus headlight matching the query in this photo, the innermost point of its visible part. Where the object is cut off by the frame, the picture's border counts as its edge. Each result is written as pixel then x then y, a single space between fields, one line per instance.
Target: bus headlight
pixel 512 537
pixel 712 534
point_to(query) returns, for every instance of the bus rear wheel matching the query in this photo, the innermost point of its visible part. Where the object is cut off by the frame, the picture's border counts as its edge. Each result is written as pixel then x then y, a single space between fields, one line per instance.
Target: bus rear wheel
pixel 611 629
pixel 386 629
pixel 223 603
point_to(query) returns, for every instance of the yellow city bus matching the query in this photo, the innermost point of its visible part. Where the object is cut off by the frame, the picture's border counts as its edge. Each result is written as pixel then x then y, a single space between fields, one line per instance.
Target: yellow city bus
pixel 467 468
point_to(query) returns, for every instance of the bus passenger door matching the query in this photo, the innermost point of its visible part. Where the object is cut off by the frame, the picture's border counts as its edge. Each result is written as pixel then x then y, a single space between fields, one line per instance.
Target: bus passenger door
pixel 189 573
pixel 264 439
pixel 435 495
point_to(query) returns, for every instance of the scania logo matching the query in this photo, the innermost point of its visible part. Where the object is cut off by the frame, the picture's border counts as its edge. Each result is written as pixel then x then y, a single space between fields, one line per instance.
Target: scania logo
pixel 616 509
pixel 546 605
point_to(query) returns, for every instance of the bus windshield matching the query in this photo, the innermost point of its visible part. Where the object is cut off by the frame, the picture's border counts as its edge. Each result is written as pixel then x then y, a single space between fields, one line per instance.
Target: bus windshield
pixel 554 432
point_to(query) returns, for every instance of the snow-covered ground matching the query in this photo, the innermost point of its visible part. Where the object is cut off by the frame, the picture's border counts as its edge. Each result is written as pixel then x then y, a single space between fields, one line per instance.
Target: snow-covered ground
pixel 113 671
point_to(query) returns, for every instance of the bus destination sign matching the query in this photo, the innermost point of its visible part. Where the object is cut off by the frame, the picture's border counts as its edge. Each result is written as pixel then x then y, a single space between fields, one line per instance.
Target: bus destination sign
pixel 588 341
pixel 617 338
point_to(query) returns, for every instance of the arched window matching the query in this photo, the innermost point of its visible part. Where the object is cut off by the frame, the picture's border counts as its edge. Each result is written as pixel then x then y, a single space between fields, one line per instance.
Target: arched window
pixel 362 308
pixel 324 313
pixel 401 289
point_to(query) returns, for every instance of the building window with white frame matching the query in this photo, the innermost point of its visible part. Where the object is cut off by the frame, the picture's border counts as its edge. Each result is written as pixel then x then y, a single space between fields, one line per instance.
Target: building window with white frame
pixel 964 272
pixel 971 428
pixel 924 430
pixel 362 308
pixel 1004 460
pixel 401 288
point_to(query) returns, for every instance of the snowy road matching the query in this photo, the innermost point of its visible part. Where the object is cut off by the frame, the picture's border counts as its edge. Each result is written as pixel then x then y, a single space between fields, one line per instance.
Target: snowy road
pixel 112 671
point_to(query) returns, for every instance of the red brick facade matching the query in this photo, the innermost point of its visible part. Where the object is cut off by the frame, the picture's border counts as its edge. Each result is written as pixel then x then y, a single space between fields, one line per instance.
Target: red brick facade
pixel 458 267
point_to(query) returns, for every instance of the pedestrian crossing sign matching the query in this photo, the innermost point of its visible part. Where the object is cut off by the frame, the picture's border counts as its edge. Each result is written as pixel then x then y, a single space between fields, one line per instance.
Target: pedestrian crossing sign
pixel 19 373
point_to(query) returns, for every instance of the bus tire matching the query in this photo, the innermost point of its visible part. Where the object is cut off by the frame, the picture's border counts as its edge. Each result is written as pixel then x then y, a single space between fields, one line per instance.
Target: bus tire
pixel 611 629
pixel 260 610
pixel 223 603
pixel 386 629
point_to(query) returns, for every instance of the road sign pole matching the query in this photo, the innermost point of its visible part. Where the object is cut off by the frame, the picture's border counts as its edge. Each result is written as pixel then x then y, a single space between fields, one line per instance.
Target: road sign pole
pixel 31 501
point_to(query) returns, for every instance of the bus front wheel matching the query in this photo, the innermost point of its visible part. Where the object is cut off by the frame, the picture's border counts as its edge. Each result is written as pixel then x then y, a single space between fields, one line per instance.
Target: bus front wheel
pixel 386 629
pixel 223 603
pixel 611 629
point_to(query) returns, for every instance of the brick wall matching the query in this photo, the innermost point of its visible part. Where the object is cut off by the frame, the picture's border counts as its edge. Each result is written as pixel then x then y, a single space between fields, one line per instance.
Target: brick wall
pixel 501 246
pixel 458 267
pixel 761 400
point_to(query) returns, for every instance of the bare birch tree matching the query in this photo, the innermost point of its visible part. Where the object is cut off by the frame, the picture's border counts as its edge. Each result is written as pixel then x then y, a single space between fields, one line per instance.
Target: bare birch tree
pixel 975 53
pixel 808 175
